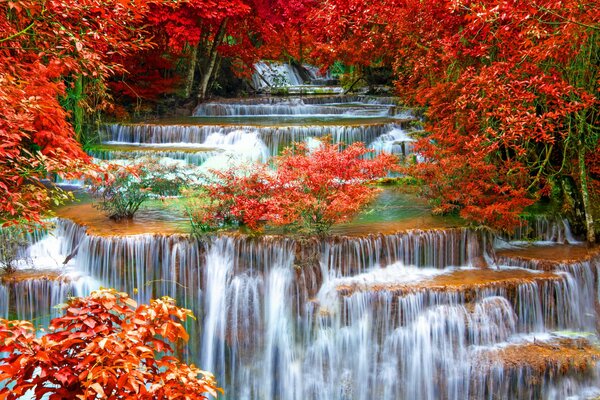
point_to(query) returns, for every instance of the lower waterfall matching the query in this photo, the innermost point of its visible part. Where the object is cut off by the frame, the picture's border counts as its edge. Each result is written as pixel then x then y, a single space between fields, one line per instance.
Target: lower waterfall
pixel 411 315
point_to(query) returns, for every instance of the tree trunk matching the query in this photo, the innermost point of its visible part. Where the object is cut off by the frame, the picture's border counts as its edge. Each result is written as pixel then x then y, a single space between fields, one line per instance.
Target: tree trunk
pixel 211 61
pixel 191 73
pixel 300 49
pixel 77 109
pixel 585 194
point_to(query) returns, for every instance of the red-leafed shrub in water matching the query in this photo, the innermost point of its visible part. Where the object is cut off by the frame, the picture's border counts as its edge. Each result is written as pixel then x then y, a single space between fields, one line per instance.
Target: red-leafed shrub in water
pixel 311 190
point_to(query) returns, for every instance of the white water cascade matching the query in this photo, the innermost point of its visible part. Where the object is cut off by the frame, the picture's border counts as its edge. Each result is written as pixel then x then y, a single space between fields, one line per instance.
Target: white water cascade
pixel 392 317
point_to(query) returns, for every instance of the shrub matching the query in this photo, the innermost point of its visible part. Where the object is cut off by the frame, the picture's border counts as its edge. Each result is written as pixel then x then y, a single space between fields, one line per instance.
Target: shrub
pixel 122 192
pixel 326 186
pixel 105 346
pixel 12 240
pixel 235 197
pixel 310 191
pixel 125 188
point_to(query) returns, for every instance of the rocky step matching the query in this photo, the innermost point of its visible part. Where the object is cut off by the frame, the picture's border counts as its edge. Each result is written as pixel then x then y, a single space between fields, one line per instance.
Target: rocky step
pixel 535 369
pixel 469 282
pixel 191 155
pixel 23 275
pixel 531 300
pixel 546 257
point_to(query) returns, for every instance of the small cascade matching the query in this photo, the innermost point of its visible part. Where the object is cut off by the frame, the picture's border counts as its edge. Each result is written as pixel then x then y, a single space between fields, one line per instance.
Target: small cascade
pixel 154 133
pixel 356 99
pixel 396 141
pixel 278 75
pixel 34 295
pixel 423 248
pixel 45 275
pixel 269 76
pixel 512 370
pixel 246 145
pixel 291 106
pixel 323 99
pixel 275 138
pixel 543 229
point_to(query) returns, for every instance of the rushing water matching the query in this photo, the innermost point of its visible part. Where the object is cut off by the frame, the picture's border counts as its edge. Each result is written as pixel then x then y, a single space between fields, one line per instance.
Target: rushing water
pixel 381 136
pixel 390 316
pixel 405 313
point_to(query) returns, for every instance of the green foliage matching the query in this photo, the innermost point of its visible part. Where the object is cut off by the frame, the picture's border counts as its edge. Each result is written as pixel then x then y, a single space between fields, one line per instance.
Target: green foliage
pixel 12 241
pixel 125 188
pixel 198 211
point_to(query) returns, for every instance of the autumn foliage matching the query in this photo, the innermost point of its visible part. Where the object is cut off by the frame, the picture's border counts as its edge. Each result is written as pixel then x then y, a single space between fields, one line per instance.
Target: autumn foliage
pixel 512 96
pixel 45 47
pixel 311 190
pixel 510 89
pixel 105 346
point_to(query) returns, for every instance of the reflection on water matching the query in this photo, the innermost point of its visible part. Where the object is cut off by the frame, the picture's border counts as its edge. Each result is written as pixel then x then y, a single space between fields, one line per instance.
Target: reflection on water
pixel 151 219
pixel 394 210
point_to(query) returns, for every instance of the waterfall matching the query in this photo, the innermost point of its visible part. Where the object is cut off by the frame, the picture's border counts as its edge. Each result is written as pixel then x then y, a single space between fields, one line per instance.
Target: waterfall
pixel 219 266
pixel 276 74
pixel 543 229
pixel 396 141
pixel 295 106
pixel 250 130
pixel 450 313
pixel 409 315
pixel 210 137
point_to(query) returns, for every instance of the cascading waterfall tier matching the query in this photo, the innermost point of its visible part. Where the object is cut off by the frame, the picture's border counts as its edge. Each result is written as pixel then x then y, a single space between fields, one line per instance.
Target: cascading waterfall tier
pixel 543 229
pixel 44 276
pixel 411 315
pixel 250 130
pixel 34 295
pixel 355 106
pixel 275 138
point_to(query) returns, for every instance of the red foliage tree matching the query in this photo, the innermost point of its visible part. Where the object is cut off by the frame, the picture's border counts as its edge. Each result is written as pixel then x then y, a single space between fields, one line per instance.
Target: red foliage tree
pixel 105 346
pixel 195 37
pixel 312 190
pixel 511 89
pixel 326 186
pixel 237 196
pixel 355 32
pixel 43 45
